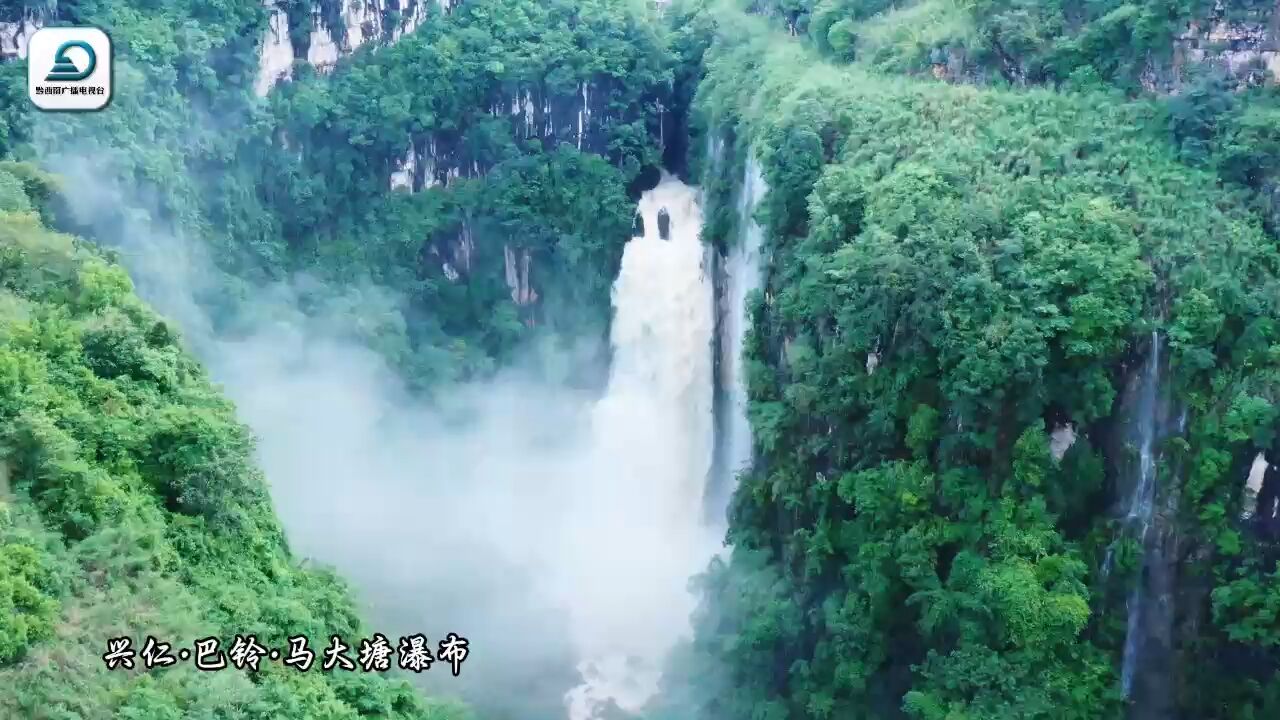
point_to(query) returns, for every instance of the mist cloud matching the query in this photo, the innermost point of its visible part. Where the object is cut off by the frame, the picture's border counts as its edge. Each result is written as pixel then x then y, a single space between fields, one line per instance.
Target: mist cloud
pixel 500 512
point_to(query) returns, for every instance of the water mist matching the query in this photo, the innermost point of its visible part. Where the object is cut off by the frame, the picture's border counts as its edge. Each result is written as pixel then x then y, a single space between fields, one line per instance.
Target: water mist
pixel 555 530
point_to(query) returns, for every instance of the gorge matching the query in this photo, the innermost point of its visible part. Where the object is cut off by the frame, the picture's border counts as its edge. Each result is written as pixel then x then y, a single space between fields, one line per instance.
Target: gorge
pixel 694 360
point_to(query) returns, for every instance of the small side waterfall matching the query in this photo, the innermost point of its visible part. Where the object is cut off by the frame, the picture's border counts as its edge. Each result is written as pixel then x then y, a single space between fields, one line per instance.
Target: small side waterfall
pixel 741 277
pixel 1142 503
pixel 654 428
pixel 1253 485
pixel 1147 665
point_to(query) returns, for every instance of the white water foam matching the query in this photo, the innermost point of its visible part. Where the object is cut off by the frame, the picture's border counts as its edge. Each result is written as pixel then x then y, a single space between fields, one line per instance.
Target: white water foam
pixel 655 424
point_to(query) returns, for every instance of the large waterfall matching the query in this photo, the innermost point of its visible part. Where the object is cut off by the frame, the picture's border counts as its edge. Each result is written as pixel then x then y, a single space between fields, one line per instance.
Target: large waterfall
pixel 518 513
pixel 655 421
pixel 657 418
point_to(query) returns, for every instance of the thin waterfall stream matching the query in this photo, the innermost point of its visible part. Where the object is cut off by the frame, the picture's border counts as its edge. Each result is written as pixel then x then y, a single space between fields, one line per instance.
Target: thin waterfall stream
pixel 1148 662
pixel 1142 505
pixel 741 278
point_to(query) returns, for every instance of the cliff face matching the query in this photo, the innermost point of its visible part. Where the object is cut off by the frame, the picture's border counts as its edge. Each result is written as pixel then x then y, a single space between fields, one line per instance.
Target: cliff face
pixel 131 508
pixel 1141 46
pixel 16 30
pixel 1154 415
pixel 333 30
pixel 535 111
pixel 326 31
pixel 275 61
pixel 1246 49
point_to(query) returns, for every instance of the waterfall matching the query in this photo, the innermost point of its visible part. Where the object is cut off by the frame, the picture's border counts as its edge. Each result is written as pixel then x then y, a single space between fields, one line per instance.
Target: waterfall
pixel 549 528
pixel 1148 663
pixel 1253 485
pixel 542 520
pixel 741 278
pixel 654 427
pixel 1142 503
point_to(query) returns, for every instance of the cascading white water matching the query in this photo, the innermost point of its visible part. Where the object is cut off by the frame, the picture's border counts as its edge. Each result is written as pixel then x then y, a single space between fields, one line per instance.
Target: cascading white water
pixel 1253 485
pixel 742 277
pixel 654 428
pixel 1141 505
pixel 516 502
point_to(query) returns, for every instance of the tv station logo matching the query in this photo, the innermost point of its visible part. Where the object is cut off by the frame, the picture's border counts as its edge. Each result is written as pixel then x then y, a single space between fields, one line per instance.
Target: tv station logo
pixel 69 69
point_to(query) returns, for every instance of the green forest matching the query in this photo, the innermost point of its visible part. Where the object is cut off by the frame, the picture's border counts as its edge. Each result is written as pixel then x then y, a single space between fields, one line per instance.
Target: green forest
pixel 989 225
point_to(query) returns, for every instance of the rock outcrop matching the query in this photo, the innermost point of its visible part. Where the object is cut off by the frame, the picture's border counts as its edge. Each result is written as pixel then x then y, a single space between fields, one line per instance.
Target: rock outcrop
pixel 518 262
pixel 336 30
pixel 15 34
pixel 535 113
pixel 1247 50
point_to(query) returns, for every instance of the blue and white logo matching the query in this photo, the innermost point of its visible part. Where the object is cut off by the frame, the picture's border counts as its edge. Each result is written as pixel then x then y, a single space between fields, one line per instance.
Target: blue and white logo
pixel 69 69
pixel 64 68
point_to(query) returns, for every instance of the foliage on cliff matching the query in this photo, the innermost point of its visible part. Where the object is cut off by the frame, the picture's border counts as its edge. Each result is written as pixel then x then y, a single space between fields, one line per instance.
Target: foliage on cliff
pixel 1020 41
pixel 996 242
pixel 1209 63
pixel 129 504
pixel 517 180
pixel 906 544
pixel 301 181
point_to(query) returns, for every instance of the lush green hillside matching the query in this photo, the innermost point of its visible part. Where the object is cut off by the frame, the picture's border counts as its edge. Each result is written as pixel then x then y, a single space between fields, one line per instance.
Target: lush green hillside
pixel 1020 41
pixel 906 544
pixel 129 504
pixel 301 180
pixel 980 214
pixel 1213 64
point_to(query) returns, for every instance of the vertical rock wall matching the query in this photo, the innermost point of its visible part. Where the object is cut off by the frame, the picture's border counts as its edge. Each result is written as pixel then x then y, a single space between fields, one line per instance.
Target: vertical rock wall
pixel 1248 50
pixel 356 23
pixel 275 61
pixel 535 114
pixel 15 34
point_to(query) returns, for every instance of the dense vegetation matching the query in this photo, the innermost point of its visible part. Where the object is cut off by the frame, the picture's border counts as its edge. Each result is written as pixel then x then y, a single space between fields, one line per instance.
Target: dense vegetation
pixel 134 502
pixel 979 213
pixel 906 545
pixel 300 181
pixel 129 504
pixel 1018 41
